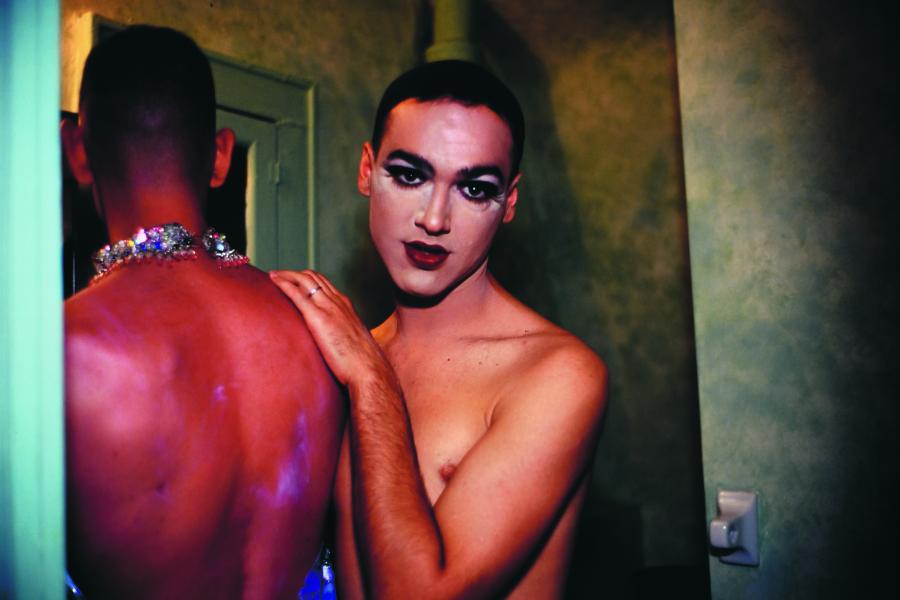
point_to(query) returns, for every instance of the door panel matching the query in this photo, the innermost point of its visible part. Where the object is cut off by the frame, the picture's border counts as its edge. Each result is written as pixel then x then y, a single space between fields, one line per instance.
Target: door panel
pixel 260 139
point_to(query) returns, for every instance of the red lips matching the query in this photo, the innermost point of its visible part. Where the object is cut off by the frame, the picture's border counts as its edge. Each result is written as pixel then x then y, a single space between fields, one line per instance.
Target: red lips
pixel 426 256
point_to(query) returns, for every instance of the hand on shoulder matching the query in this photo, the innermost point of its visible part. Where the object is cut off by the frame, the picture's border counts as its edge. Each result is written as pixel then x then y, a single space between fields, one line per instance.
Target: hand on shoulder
pixel 348 347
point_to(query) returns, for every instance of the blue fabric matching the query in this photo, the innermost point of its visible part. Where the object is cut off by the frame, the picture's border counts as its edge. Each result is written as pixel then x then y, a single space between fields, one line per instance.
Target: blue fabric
pixel 72 591
pixel 319 584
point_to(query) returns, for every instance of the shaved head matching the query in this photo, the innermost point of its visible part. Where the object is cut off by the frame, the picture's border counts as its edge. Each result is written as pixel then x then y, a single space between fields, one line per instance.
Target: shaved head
pixel 147 103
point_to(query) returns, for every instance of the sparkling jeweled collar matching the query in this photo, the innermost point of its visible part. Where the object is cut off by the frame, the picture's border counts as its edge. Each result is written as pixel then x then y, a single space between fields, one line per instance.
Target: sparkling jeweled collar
pixel 171 241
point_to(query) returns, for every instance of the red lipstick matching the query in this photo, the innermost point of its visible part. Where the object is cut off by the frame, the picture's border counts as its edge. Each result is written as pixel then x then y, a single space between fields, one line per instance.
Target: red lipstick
pixel 426 256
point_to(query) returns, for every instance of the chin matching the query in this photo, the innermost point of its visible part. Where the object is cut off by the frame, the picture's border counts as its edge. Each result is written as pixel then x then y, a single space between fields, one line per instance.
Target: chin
pixel 422 284
pixel 421 290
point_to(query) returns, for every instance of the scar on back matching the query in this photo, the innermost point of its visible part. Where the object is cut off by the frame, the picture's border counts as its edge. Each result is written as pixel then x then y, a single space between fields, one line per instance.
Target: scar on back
pixel 446 472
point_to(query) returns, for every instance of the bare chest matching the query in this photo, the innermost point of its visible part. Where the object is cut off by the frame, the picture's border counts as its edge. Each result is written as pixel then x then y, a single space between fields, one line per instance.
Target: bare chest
pixel 450 399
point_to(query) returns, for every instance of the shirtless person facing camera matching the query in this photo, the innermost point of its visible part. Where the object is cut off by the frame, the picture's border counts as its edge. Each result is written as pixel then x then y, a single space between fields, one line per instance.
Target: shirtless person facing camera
pixel 203 427
pixel 473 420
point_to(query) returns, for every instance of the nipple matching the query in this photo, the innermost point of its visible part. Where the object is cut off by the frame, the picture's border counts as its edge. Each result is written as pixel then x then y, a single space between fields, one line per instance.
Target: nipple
pixel 447 471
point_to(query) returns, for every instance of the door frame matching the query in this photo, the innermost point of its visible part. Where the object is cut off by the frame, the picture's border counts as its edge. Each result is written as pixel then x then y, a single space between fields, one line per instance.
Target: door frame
pixel 32 479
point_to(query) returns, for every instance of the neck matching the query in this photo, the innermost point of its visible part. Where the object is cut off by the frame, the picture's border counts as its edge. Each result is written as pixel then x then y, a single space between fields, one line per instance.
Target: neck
pixel 127 210
pixel 458 314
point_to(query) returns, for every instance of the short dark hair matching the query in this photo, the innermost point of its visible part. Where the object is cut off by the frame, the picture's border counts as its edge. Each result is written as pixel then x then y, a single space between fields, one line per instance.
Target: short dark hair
pixel 459 81
pixel 149 87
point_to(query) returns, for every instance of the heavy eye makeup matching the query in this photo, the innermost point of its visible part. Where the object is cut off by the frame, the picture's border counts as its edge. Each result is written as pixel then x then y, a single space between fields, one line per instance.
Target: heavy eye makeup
pixel 479 191
pixel 478 185
pixel 405 175
pixel 481 185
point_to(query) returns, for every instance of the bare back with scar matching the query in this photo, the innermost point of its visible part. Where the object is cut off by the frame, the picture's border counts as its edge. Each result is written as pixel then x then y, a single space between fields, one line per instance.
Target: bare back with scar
pixel 202 425
pixel 203 428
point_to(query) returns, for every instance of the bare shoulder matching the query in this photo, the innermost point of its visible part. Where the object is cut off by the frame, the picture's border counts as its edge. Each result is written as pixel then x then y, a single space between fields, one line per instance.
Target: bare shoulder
pixel 554 366
pixel 103 337
pixel 558 360
pixel 570 358
pixel 260 304
pixel 108 377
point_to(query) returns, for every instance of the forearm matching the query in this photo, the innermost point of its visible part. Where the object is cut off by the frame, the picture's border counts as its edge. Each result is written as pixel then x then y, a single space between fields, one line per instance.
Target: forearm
pixel 398 539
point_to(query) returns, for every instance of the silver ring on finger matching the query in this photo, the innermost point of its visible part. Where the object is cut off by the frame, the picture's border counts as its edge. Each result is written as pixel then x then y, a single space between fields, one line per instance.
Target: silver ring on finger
pixel 313 291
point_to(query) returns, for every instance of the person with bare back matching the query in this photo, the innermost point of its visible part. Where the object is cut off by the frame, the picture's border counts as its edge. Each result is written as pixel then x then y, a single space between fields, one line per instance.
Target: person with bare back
pixel 202 424
pixel 473 420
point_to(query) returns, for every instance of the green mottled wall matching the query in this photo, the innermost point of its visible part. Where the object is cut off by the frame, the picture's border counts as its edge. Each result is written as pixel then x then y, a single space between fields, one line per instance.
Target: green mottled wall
pixel 791 162
pixel 599 245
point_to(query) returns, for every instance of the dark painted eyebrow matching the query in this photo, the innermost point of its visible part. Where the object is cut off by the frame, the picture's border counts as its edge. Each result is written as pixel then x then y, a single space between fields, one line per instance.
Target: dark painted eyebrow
pixel 479 170
pixel 422 164
pixel 413 159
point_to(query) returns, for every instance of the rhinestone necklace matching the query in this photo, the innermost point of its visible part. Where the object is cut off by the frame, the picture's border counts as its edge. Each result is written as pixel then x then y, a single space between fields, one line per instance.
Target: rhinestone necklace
pixel 164 243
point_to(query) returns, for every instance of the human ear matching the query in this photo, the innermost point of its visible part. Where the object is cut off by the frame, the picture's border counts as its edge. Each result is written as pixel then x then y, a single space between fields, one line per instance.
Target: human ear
pixel 72 135
pixel 366 164
pixel 222 161
pixel 512 196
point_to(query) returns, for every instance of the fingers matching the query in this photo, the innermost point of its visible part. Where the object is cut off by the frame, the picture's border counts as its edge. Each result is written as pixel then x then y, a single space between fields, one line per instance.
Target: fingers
pixel 296 286
pixel 288 276
pixel 308 289
pixel 293 291
pixel 327 289
pixel 318 284
pixel 303 281
pixel 309 282
pixel 326 283
pixel 321 281
pixel 343 339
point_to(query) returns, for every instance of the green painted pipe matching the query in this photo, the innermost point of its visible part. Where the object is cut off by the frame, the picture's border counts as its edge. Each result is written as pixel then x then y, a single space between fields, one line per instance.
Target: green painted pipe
pixel 453 39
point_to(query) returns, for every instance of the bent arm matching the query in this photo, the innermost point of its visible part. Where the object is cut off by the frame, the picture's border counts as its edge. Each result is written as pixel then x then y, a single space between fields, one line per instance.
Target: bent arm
pixel 506 495
pixel 398 536
pixel 502 503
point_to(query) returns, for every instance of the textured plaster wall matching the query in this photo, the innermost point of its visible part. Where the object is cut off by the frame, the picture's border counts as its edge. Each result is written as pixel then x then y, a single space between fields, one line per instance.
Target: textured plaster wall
pixel 599 245
pixel 791 159
pixel 350 49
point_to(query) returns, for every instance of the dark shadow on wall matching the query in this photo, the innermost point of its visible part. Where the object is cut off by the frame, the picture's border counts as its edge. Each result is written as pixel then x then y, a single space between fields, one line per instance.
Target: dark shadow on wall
pixel 539 248
pixel 691 580
pixel 541 258
pixel 852 49
pixel 543 243
pixel 369 280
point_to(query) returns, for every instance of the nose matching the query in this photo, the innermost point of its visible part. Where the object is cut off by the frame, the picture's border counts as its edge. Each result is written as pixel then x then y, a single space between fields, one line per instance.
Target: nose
pixel 434 214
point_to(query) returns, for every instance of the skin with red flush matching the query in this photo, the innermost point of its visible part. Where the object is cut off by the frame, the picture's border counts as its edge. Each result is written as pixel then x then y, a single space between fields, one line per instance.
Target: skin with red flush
pixel 202 425
pixel 472 419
